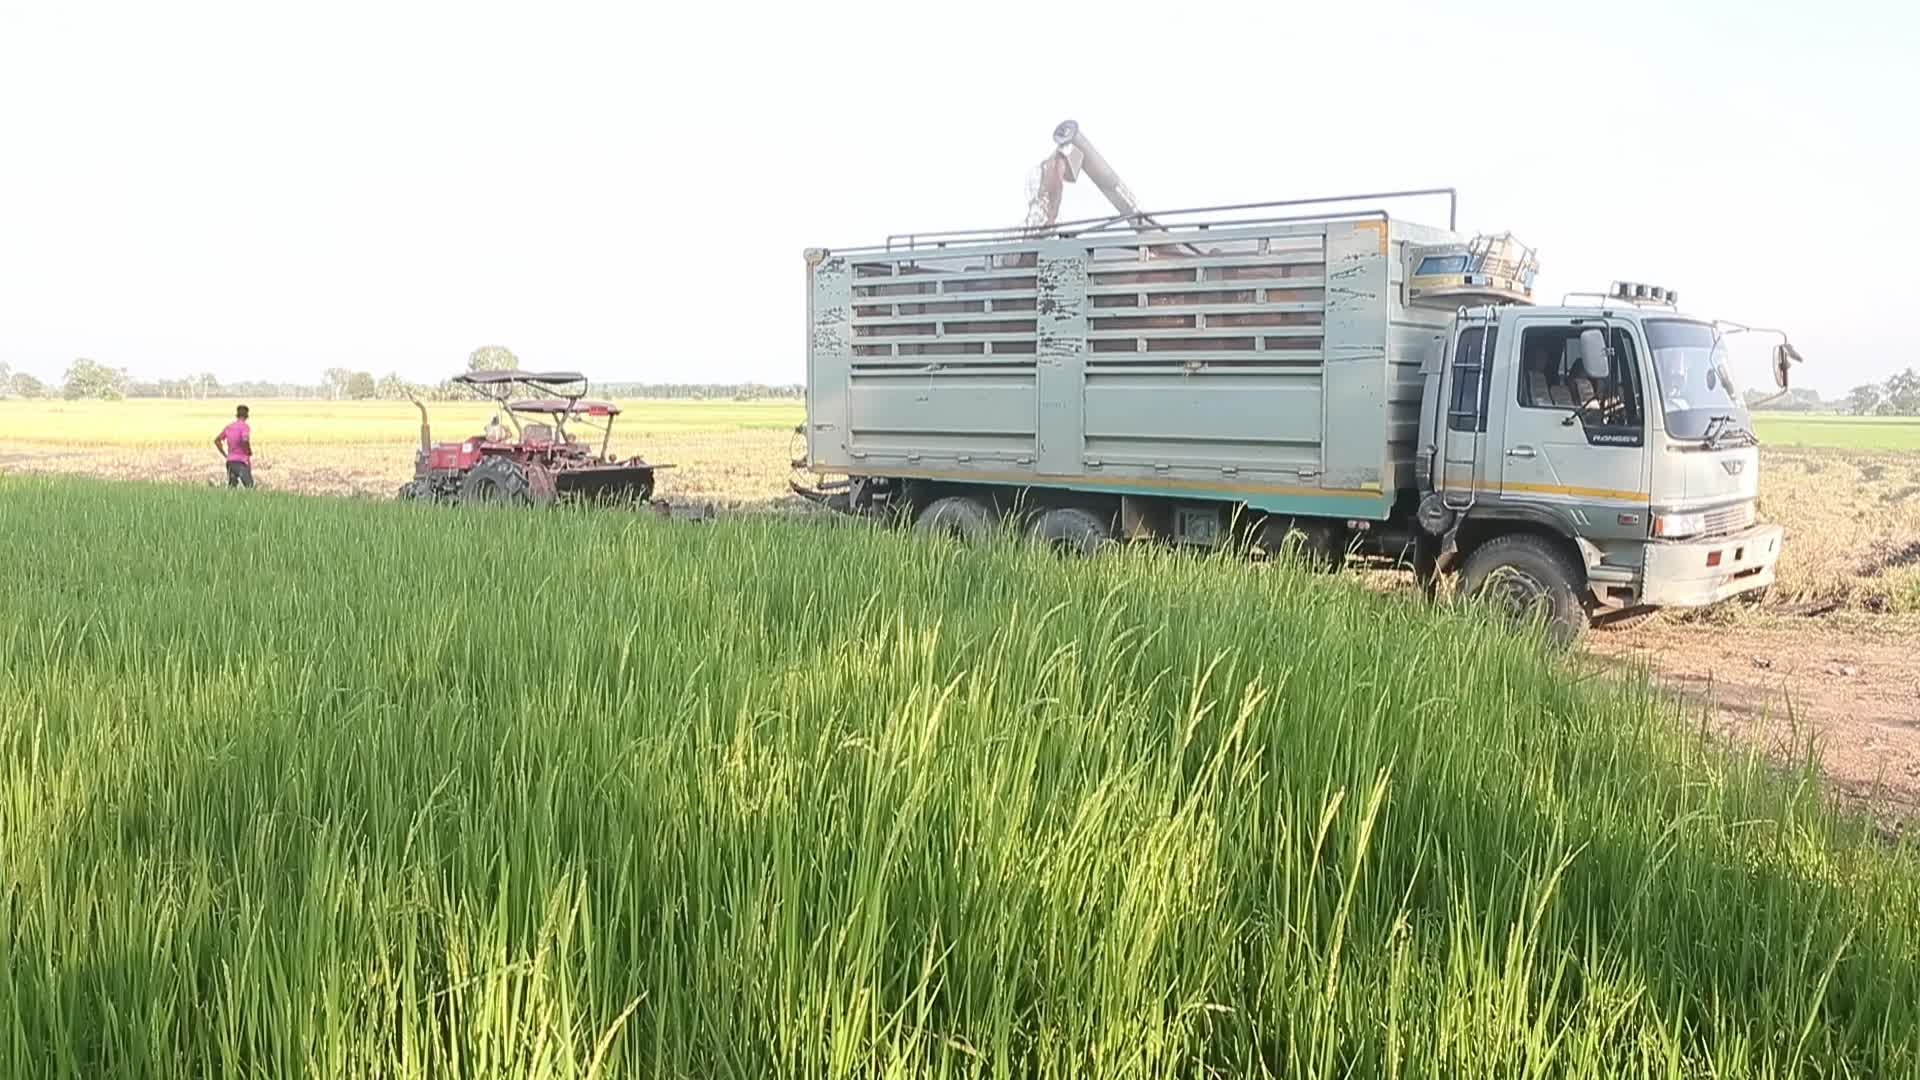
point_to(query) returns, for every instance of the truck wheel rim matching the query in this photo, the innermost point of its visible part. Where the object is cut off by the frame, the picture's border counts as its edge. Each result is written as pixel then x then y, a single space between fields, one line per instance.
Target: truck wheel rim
pixel 1515 592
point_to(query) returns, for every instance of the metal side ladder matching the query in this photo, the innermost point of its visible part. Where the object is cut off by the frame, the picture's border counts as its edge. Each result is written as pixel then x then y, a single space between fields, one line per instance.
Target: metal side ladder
pixel 1457 473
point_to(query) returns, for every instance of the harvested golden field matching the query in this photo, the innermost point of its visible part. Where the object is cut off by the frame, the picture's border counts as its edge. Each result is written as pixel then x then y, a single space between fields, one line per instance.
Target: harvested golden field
pixel 723 452
pixel 1853 526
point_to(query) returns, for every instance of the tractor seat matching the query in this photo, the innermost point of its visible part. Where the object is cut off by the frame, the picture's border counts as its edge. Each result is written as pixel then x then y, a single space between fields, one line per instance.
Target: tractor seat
pixel 536 432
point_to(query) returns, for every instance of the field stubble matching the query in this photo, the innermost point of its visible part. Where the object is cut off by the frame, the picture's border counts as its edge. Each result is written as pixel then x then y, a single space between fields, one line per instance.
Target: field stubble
pixel 729 454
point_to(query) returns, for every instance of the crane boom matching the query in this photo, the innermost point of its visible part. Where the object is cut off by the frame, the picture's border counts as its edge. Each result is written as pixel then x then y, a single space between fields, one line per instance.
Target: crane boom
pixel 1073 156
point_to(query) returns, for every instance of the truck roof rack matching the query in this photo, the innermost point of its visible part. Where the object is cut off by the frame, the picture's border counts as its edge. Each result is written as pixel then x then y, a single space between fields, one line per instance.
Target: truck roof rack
pixel 1201 217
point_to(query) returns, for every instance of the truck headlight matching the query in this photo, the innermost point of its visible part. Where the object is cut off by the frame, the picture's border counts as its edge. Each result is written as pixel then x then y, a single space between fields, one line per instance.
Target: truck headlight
pixel 1679 526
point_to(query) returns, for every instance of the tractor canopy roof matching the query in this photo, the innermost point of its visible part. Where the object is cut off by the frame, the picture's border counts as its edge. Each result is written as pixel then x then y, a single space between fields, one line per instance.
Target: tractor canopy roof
pixel 536 378
pixel 566 406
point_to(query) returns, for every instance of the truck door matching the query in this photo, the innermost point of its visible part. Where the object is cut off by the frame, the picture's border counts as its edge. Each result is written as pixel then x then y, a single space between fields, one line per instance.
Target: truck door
pixel 1574 445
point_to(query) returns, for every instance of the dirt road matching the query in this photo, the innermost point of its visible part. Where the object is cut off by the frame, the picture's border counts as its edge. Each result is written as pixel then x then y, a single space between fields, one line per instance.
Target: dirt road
pixel 1850 683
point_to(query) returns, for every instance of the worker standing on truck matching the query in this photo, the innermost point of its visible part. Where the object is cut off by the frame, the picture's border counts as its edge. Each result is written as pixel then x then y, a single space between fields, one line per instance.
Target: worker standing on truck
pixel 235 442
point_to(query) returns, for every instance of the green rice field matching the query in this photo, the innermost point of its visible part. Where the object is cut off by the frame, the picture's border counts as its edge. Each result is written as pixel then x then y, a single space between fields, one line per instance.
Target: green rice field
pixel 1889 433
pixel 314 787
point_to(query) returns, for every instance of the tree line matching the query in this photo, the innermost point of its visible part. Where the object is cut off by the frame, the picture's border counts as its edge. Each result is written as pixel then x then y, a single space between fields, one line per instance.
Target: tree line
pixel 1898 396
pixel 88 379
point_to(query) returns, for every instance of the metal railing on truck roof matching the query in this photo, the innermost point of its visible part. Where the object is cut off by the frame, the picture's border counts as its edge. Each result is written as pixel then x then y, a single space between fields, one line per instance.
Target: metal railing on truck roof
pixel 1168 219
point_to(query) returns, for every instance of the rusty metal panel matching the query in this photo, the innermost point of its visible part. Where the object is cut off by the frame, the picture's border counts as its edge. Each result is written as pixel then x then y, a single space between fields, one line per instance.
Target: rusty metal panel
pixel 1060 356
pixel 1269 362
pixel 1414 336
pixel 1260 425
pixel 954 416
pixel 1355 373
pixel 829 354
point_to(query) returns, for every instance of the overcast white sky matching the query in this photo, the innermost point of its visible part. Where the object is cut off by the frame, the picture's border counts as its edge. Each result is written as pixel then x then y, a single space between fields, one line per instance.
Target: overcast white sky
pixel 264 190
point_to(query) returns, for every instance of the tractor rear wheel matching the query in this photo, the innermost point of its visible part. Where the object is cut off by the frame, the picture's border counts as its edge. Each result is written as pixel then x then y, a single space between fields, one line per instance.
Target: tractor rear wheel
pixel 497 480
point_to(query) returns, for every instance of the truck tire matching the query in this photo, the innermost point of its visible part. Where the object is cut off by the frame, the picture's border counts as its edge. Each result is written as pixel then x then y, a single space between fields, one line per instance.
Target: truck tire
pixel 1315 543
pixel 497 480
pixel 1071 530
pixel 1524 575
pixel 962 517
pixel 1623 618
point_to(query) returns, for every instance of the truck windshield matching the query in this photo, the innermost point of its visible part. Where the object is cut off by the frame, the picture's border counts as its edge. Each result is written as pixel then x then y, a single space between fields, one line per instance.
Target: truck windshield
pixel 1696 390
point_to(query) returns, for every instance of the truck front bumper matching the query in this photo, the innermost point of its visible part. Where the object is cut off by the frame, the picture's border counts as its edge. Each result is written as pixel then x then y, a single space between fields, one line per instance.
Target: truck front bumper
pixel 1703 572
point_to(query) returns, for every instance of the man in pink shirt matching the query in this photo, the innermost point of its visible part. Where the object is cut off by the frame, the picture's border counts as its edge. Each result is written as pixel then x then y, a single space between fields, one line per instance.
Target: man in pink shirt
pixel 235 442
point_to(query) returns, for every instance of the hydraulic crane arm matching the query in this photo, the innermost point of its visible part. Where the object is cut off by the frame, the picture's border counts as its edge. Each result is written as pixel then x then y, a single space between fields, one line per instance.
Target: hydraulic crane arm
pixel 1073 156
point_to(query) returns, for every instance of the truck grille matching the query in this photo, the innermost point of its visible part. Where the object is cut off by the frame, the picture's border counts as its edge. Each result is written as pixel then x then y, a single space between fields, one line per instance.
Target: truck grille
pixel 1728 520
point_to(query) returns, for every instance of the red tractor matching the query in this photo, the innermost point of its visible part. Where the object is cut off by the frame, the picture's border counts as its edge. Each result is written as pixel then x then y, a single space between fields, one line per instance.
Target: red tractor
pixel 538 461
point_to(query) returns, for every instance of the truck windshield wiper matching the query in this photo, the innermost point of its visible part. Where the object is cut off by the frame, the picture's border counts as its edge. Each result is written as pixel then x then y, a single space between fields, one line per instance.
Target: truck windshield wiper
pixel 1721 429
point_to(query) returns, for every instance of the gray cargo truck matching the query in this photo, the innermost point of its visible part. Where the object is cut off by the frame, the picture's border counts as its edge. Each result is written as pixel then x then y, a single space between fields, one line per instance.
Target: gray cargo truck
pixel 1354 383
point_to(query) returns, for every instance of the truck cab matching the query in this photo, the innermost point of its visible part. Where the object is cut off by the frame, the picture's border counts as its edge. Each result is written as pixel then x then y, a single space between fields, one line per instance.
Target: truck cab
pixel 1595 459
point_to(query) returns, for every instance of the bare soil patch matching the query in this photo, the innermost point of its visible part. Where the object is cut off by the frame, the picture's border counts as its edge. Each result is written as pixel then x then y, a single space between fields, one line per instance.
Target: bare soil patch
pixel 1848 687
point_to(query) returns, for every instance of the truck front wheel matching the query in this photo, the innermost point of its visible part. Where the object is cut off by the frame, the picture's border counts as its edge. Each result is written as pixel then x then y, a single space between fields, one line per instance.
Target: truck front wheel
pixel 1525 577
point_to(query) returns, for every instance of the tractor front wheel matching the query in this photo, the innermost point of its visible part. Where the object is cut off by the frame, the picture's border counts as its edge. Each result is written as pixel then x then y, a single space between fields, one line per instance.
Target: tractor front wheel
pixel 498 480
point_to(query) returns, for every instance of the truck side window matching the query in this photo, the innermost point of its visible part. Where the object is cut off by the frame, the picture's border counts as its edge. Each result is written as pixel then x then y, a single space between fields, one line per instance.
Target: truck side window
pixel 1550 378
pixel 1471 387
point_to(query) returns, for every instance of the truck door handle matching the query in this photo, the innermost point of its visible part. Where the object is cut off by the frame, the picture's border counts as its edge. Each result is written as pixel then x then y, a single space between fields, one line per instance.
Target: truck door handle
pixel 1521 452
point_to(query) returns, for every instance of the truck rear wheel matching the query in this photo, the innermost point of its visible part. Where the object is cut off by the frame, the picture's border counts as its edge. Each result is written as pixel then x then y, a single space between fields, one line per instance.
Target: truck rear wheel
pixel 1526 577
pixel 962 517
pixel 1316 543
pixel 1071 530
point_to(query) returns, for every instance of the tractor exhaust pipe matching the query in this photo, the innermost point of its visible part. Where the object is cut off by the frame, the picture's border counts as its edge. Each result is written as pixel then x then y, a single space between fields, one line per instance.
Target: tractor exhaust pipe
pixel 426 429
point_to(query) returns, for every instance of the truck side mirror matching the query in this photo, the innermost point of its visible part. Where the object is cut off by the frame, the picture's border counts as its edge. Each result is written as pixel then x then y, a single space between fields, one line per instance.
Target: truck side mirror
pixel 1594 363
pixel 1783 355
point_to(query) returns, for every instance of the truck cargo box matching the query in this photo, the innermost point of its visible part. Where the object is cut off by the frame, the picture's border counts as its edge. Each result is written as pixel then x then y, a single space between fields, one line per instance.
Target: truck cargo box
pixel 1275 362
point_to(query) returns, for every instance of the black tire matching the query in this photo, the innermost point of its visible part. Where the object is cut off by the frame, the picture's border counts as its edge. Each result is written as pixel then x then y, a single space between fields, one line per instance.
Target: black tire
pixel 960 516
pixel 1623 618
pixel 1316 544
pixel 1071 530
pixel 1426 565
pixel 1525 577
pixel 497 480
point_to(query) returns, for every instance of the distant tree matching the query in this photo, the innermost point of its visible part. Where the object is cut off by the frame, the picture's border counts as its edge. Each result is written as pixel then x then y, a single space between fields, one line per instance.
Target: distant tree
pixel 360 386
pixel 26 386
pixel 6 377
pixel 1903 394
pixel 205 384
pixel 492 358
pixel 92 379
pixel 391 387
pixel 1865 400
pixel 335 380
pixel 1797 399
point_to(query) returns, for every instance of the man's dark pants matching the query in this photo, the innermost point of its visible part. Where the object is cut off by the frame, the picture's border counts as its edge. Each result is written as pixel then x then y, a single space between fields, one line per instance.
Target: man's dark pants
pixel 239 474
